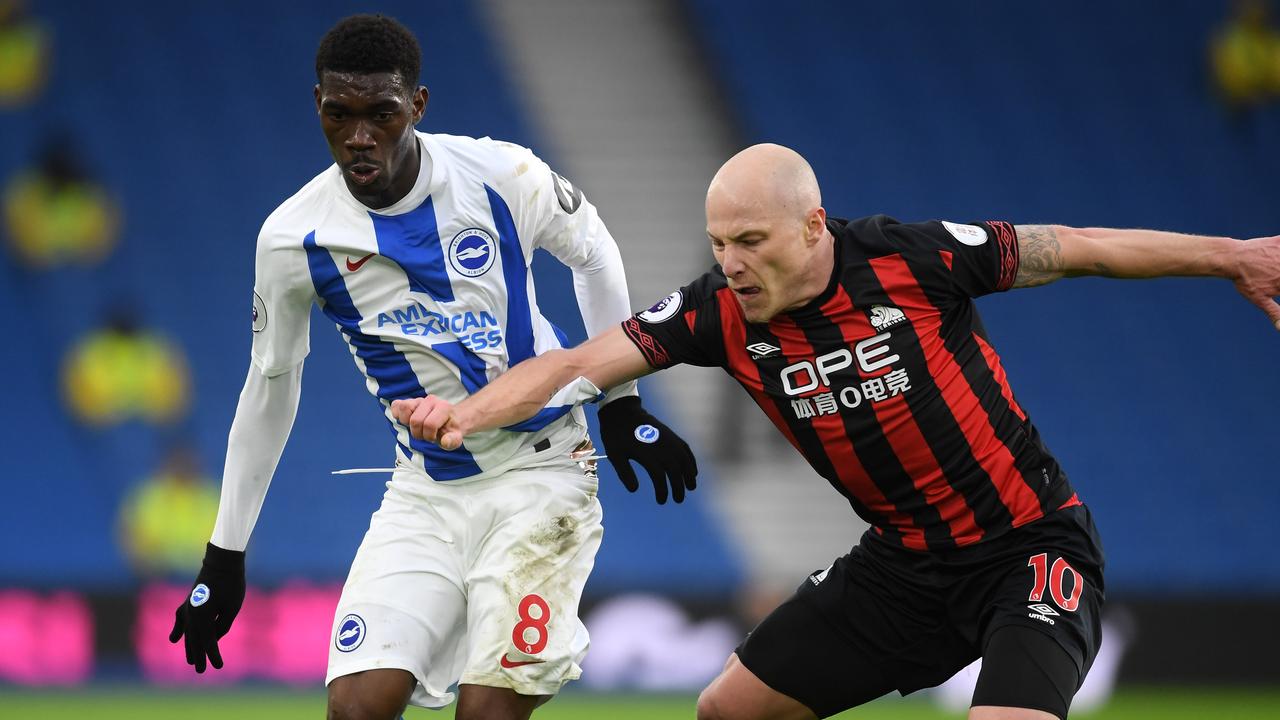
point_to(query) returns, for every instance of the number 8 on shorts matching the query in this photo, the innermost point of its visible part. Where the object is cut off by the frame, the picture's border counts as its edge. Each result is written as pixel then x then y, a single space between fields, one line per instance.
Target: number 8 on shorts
pixel 520 634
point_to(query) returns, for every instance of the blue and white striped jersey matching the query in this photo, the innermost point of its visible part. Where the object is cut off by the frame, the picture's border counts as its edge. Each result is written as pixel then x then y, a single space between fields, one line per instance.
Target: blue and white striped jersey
pixel 434 294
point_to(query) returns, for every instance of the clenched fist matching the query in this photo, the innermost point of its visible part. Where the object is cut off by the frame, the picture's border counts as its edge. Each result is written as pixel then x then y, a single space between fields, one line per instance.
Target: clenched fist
pixel 429 418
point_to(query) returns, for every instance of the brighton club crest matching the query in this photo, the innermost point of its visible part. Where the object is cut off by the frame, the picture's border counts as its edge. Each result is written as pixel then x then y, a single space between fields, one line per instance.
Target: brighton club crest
pixel 471 252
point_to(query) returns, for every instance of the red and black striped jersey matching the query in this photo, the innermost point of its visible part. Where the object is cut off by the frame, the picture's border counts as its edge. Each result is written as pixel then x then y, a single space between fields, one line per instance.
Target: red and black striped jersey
pixel 886 382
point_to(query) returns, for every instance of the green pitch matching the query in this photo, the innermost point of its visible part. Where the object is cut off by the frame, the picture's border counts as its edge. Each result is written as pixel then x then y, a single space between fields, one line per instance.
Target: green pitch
pixel 133 704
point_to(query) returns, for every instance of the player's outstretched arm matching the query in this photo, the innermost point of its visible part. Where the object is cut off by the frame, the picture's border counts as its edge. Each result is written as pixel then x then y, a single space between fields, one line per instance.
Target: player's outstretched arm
pixel 1049 252
pixel 605 360
pixel 629 432
pixel 264 417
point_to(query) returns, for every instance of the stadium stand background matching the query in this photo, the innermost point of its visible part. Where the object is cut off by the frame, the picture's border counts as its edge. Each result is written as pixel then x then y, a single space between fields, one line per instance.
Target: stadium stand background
pixel 1160 398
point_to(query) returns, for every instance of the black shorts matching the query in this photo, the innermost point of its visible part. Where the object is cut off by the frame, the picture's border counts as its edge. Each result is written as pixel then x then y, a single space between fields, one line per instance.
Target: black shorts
pixel 885 618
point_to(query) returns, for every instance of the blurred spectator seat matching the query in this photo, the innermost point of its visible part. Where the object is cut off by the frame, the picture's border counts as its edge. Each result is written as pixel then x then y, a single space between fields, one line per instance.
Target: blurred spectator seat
pixel 166 519
pixel 1245 56
pixel 122 372
pixel 24 52
pixel 56 213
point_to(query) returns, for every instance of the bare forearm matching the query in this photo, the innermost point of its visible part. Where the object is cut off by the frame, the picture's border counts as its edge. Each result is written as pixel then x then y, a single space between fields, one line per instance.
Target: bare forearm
pixel 604 361
pixel 1147 253
pixel 1050 252
pixel 517 394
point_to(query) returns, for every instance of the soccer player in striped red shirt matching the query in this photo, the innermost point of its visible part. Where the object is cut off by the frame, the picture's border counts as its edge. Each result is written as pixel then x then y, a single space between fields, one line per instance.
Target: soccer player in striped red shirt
pixel 860 340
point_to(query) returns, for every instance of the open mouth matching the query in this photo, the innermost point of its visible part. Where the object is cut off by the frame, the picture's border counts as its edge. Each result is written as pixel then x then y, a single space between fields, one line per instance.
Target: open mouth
pixel 749 291
pixel 363 174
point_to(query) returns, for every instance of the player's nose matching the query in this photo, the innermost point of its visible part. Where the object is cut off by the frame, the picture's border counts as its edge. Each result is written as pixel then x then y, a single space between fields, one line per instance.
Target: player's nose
pixel 361 138
pixel 731 264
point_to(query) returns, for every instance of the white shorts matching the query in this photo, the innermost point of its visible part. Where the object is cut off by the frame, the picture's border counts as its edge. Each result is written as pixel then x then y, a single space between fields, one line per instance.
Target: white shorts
pixel 474 583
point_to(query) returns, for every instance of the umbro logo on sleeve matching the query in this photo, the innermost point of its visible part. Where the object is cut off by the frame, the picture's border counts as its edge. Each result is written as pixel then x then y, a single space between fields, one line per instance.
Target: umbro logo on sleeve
pixel 762 350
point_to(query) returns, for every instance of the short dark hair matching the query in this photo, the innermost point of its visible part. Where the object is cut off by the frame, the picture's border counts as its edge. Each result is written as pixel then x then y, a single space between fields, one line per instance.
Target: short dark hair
pixel 367 44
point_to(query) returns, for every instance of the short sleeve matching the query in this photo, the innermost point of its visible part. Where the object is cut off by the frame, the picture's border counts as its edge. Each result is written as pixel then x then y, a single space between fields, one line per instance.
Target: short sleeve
pixel 282 299
pixel 684 327
pixel 981 257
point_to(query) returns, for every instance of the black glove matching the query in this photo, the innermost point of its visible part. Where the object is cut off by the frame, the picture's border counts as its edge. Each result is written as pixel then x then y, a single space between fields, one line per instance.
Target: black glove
pixel 631 433
pixel 206 615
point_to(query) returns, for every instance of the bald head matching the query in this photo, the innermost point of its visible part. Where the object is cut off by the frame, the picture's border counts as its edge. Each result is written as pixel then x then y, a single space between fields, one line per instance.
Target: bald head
pixel 764 180
pixel 768 230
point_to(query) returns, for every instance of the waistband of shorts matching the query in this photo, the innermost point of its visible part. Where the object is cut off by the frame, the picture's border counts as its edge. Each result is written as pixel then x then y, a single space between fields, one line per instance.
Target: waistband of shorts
pixel 556 468
pixel 1073 523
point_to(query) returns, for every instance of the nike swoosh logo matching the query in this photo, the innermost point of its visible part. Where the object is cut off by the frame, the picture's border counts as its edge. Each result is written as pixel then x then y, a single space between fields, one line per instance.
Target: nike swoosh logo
pixel 354 266
pixel 508 663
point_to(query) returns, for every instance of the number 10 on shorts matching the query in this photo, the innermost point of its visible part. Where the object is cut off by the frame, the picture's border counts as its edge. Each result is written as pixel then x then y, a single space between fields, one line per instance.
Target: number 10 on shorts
pixel 1054 578
pixel 531 625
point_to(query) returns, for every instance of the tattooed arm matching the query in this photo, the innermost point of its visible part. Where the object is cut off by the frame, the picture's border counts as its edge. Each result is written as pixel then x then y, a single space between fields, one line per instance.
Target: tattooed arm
pixel 1049 252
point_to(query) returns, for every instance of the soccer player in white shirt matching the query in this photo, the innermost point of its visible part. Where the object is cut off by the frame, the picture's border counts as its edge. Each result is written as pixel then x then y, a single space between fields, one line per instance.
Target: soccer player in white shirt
pixel 417 247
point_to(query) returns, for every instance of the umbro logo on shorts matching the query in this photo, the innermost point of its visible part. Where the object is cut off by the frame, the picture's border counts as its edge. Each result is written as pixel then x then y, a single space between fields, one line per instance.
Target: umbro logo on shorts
pixel 1042 612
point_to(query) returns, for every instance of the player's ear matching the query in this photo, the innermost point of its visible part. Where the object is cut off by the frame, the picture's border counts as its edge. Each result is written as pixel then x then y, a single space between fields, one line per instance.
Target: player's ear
pixel 317 94
pixel 419 103
pixel 816 224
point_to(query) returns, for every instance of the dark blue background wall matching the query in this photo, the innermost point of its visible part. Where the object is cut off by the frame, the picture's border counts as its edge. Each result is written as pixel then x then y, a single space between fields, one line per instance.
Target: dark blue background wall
pixel 1161 398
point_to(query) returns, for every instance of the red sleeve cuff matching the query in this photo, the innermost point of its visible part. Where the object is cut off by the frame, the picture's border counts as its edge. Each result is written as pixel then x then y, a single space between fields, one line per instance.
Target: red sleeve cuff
pixel 654 354
pixel 1007 244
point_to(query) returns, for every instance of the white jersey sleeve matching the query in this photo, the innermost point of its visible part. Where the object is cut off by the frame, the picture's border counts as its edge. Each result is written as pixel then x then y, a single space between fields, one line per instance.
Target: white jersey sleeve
pixel 556 216
pixel 264 417
pixel 282 297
